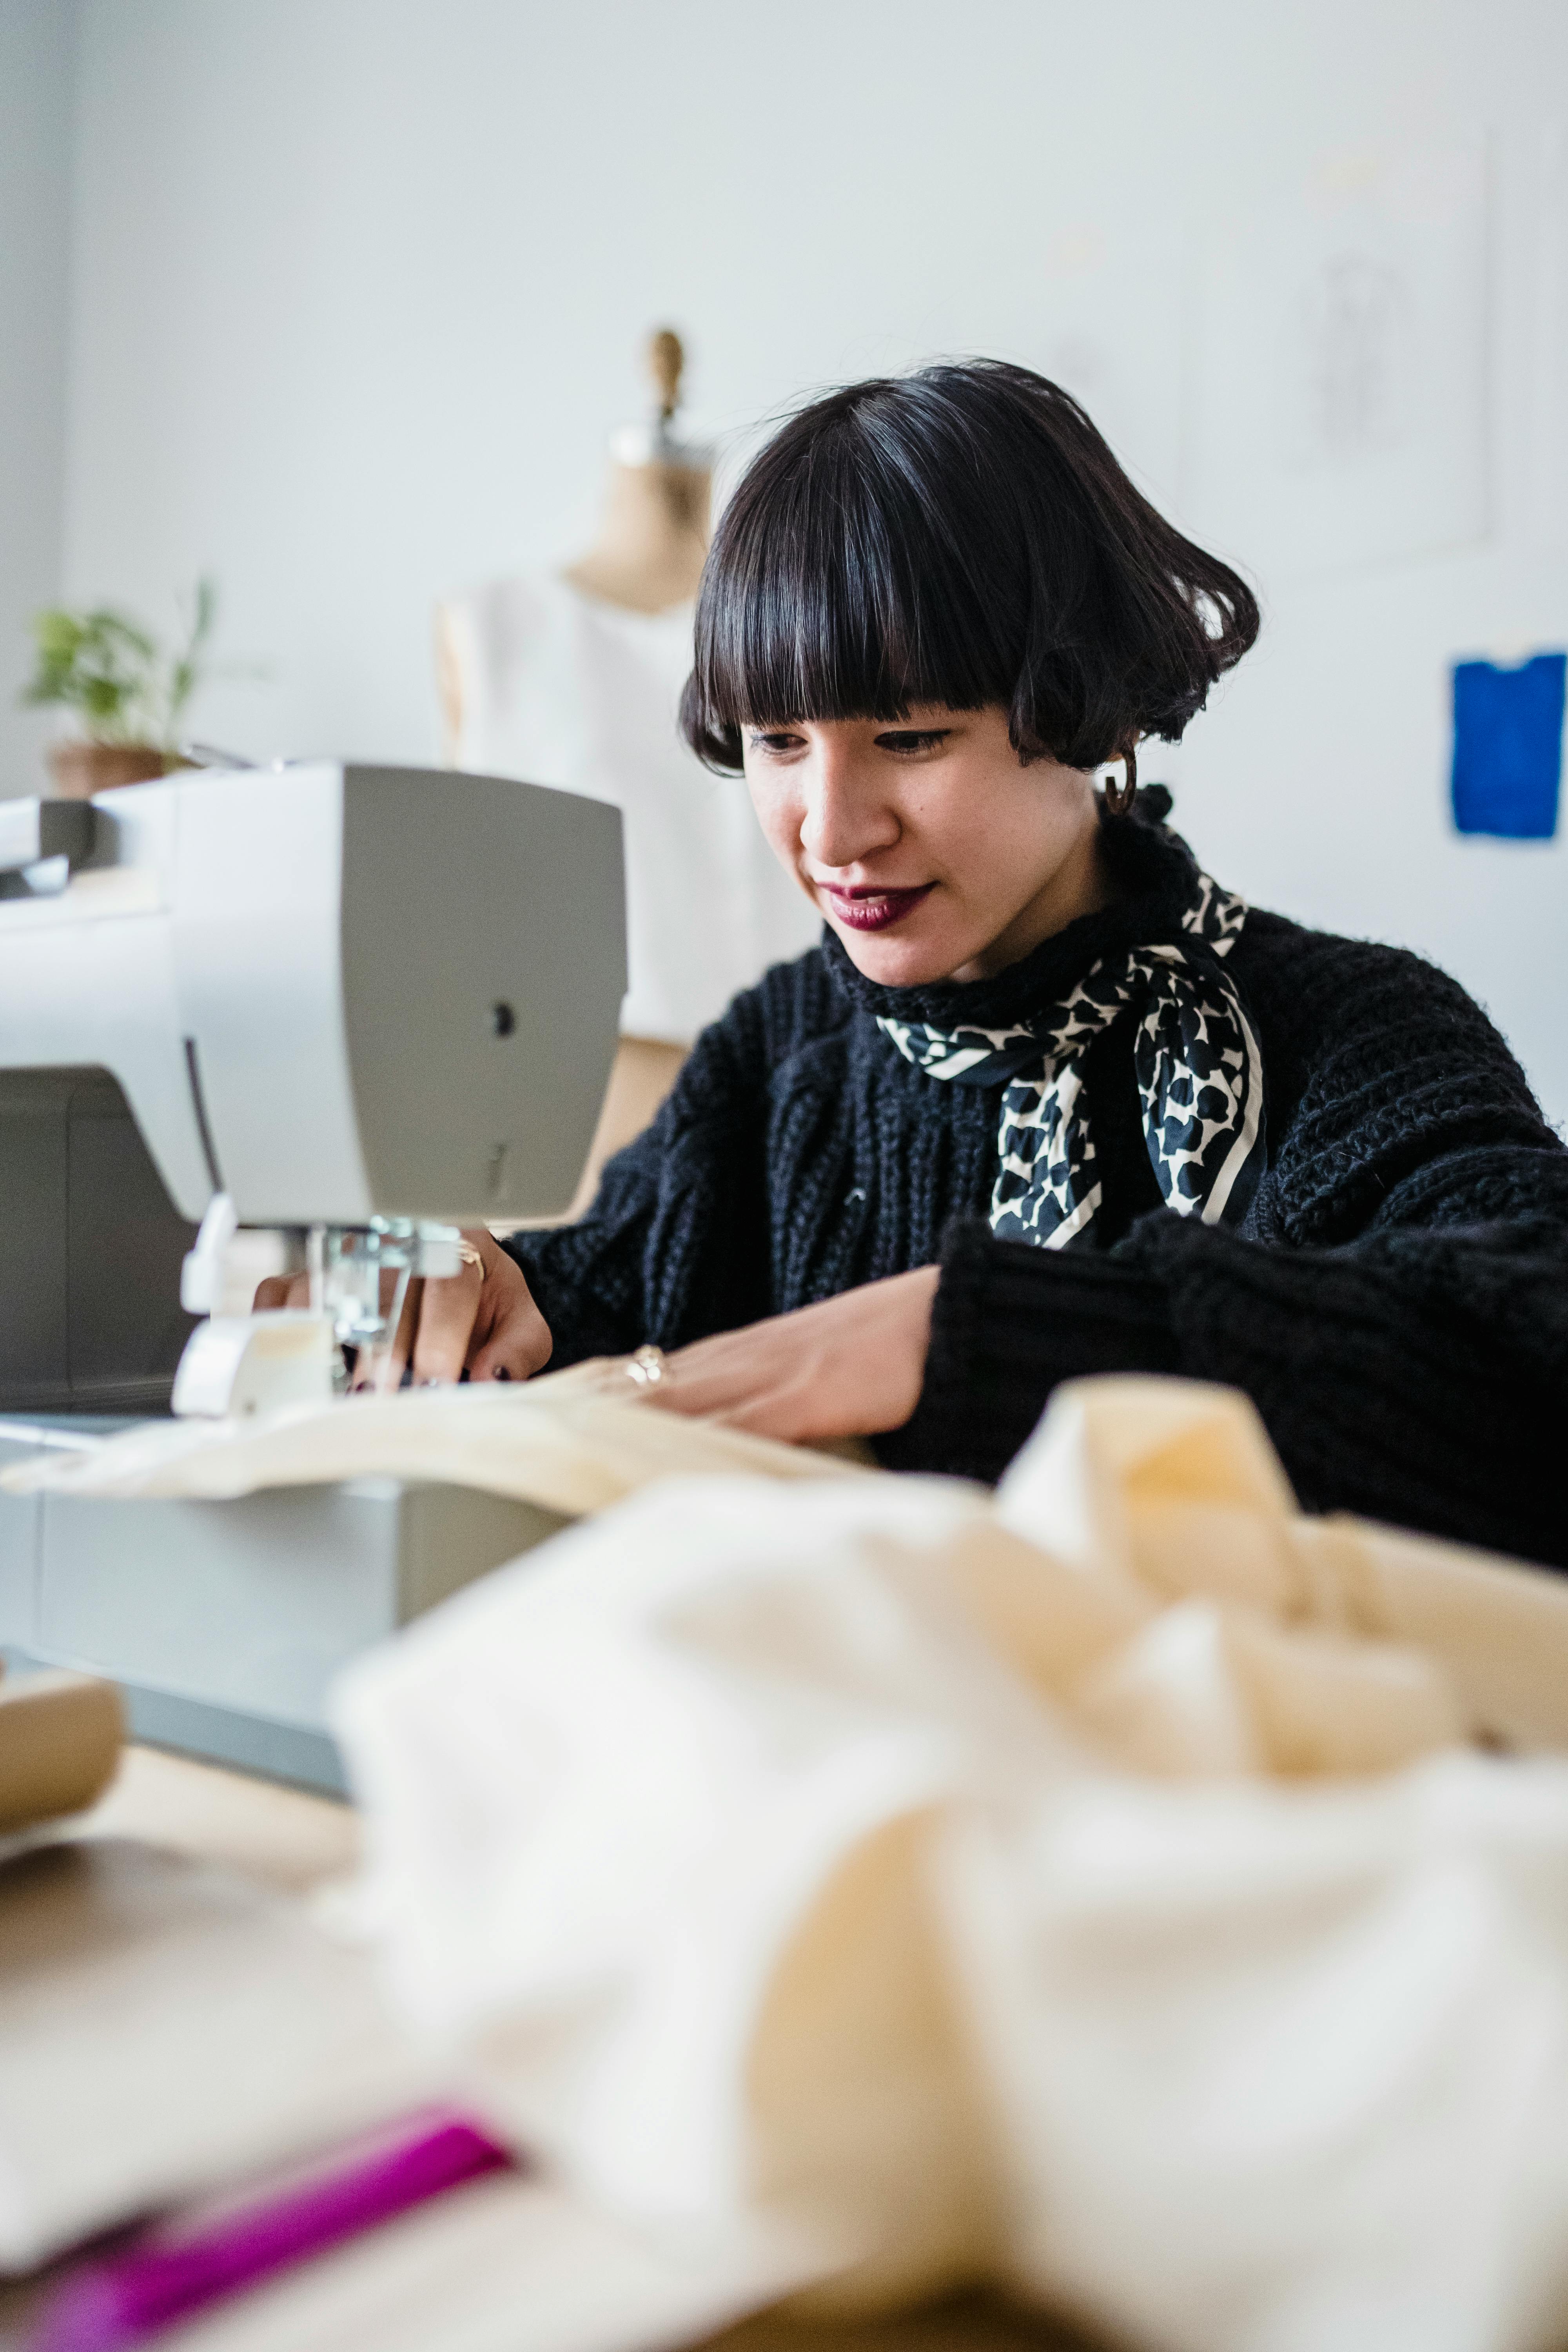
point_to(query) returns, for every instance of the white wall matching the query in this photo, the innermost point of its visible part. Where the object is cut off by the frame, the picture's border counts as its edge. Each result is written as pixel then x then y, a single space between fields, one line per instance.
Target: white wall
pixel 35 61
pixel 358 285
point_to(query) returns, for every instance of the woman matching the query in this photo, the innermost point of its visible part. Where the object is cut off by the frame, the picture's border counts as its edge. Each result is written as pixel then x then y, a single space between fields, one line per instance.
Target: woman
pixel 1046 1101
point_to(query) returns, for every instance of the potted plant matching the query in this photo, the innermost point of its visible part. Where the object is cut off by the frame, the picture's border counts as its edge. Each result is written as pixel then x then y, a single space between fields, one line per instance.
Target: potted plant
pixel 128 693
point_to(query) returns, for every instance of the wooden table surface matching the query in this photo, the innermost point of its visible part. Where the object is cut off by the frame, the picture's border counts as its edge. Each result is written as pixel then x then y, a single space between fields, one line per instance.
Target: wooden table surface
pixel 283 1838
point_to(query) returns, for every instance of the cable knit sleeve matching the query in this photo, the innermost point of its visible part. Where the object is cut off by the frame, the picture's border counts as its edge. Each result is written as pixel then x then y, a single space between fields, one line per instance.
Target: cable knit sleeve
pixel 1397 1307
pixel 673 1247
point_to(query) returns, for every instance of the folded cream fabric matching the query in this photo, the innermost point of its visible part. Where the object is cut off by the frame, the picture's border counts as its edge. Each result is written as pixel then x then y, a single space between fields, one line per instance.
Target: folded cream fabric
pixel 572 1442
pixel 1113 1889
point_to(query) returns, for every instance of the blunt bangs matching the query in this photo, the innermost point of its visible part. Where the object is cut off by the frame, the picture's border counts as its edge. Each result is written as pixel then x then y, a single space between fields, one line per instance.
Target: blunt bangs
pixel 960 536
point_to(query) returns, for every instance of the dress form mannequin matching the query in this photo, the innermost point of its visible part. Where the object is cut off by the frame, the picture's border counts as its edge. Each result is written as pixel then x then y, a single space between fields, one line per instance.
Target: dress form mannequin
pixel 654 534
pixel 647 558
pixel 572 678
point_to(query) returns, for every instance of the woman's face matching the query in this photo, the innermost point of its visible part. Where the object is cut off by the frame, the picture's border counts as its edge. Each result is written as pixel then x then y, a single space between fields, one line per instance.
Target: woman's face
pixel 932 851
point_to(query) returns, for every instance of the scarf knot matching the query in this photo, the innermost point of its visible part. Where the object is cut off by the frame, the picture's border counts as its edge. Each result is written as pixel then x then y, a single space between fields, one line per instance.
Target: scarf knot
pixel 1195 1057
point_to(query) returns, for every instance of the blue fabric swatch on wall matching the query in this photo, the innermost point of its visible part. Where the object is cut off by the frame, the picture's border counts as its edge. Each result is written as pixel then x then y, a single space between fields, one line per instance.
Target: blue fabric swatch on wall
pixel 1508 747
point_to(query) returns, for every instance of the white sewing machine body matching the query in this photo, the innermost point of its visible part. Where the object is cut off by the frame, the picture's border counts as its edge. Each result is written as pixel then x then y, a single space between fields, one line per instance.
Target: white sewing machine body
pixel 342 995
pixel 334 992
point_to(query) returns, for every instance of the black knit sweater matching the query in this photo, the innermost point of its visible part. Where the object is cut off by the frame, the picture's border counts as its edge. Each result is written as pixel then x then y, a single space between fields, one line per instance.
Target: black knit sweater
pixel 1397 1302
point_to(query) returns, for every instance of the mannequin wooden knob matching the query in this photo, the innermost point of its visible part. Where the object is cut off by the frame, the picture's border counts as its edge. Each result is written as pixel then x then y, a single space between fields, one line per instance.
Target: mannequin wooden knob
pixel 667 361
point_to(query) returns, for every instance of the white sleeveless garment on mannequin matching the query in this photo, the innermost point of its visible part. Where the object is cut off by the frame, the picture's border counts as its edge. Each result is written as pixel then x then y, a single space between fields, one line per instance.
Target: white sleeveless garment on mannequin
pixel 558 687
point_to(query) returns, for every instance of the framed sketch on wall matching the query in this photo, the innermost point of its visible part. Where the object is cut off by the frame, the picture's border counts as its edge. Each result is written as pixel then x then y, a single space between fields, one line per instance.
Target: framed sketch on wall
pixel 1548 511
pixel 1341 412
pixel 1100 311
pixel 1108 325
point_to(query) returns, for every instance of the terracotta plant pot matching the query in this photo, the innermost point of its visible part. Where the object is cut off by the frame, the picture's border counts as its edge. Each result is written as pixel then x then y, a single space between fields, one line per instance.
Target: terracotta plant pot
pixel 79 769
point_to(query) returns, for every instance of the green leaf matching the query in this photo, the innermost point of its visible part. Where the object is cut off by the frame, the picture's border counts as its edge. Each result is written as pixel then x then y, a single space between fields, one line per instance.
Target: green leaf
pixel 206 611
pixel 58 634
pixel 105 665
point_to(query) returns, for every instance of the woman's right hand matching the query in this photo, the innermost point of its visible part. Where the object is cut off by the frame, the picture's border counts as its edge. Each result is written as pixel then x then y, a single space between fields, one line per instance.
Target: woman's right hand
pixel 482 1318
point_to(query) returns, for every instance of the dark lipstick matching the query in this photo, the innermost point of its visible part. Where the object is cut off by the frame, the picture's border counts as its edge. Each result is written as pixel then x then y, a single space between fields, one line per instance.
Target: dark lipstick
pixel 873 910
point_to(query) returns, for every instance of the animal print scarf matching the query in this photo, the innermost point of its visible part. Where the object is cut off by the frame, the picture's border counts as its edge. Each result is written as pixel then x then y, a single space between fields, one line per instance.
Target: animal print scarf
pixel 1195 1057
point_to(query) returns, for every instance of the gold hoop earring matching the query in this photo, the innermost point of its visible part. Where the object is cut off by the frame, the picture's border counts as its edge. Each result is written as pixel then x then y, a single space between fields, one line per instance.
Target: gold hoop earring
pixel 1119 798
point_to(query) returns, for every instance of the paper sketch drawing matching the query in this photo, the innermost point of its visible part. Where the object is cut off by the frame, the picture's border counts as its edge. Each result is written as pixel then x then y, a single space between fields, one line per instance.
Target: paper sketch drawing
pixel 1548 508
pixel 1348 379
pixel 1102 315
pixel 1107 327
pixel 1341 412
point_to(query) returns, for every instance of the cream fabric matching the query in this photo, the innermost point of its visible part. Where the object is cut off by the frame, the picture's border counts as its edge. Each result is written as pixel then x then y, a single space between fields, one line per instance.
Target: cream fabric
pixel 1101 1888
pixel 560 688
pixel 572 1442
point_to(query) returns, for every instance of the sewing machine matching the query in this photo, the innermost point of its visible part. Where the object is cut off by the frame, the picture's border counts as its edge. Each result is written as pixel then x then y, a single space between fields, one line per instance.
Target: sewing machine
pixel 364 1006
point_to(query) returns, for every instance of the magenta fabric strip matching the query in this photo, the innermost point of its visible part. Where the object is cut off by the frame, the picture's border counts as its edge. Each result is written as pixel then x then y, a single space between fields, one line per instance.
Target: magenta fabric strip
pixel 123 2299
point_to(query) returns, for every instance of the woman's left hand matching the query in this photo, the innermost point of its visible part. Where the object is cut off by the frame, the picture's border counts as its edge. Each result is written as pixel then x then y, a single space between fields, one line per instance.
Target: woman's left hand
pixel 482 1317
pixel 849 1367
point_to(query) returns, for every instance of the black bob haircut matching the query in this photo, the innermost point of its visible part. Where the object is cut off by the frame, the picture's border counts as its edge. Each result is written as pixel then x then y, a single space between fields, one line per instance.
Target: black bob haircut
pixel 961 536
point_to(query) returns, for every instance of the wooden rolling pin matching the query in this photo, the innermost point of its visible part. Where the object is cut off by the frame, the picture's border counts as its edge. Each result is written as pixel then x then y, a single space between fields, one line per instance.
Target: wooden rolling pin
pixel 59 1743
